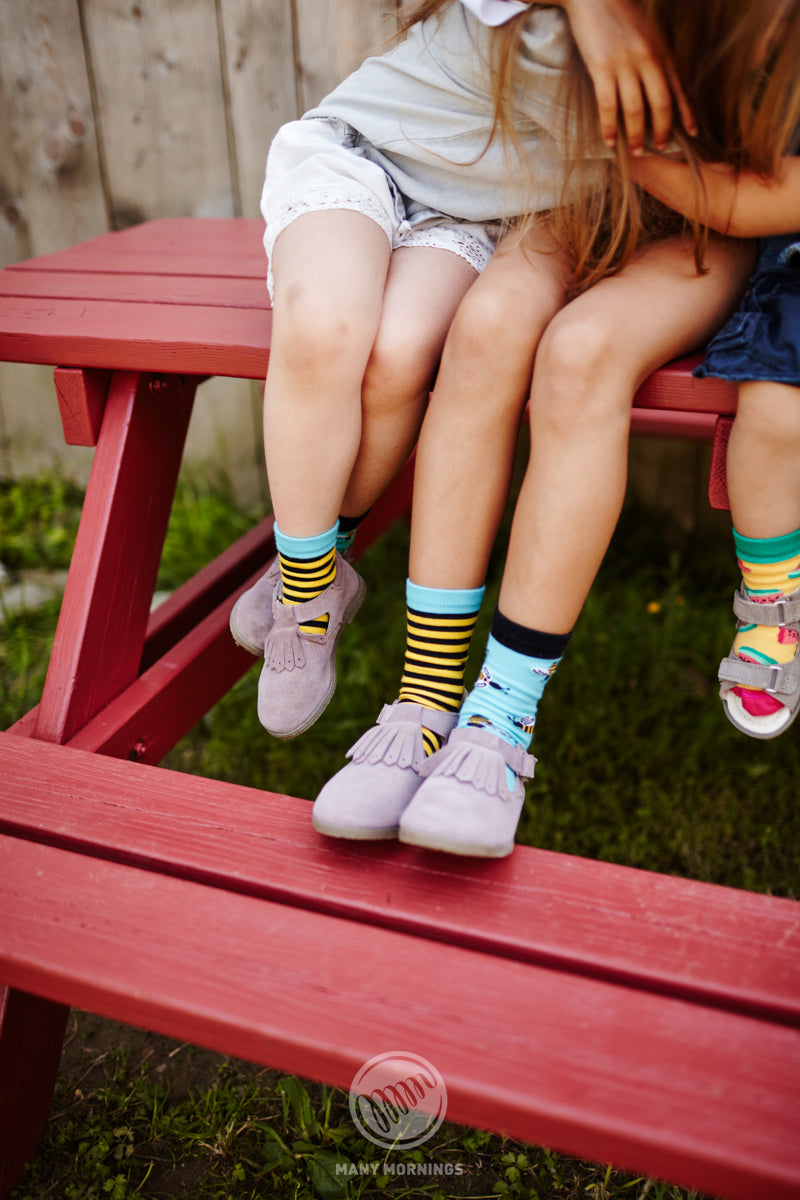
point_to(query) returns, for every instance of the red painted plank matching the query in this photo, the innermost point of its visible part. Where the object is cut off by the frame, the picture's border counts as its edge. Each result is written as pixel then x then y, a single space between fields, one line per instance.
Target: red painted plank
pixel 708 1099
pixel 161 289
pixel 657 932
pixel 101 628
pixel 208 263
pixel 660 422
pixel 250 555
pixel 673 386
pixel 172 339
pixel 31 1037
pixel 81 403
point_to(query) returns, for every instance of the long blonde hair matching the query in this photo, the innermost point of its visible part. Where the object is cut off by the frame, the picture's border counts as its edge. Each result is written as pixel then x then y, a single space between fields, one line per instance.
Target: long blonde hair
pixel 748 115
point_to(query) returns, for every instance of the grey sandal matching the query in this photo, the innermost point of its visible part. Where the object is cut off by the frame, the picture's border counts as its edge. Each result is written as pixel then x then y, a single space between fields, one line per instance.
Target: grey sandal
pixel 781 680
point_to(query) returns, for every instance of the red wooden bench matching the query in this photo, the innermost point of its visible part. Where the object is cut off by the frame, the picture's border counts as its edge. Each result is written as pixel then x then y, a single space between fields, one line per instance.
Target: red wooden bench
pixel 615 1014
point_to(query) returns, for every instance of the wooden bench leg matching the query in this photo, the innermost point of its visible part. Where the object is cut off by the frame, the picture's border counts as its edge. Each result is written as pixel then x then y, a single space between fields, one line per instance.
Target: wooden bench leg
pixel 101 629
pixel 96 653
pixel 31 1036
pixel 718 475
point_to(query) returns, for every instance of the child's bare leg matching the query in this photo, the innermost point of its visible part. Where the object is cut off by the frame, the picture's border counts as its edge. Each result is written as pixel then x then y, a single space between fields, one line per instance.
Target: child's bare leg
pixel 423 290
pixel 469 436
pixel 763 458
pixel 759 693
pixel 593 357
pixel 330 271
pixel 468 442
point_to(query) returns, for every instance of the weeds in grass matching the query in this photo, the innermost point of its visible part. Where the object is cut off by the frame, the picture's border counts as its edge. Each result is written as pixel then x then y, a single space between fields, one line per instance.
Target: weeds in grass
pixel 636 765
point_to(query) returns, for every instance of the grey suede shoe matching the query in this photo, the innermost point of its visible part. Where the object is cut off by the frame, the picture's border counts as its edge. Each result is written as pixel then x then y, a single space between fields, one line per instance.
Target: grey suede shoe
pixel 366 798
pixel 251 615
pixel 464 805
pixel 298 678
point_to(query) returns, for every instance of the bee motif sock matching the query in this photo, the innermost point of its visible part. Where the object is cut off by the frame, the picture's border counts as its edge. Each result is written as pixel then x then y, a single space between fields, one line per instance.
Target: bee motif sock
pixel 770 569
pixel 440 623
pixel 308 567
pixel 517 666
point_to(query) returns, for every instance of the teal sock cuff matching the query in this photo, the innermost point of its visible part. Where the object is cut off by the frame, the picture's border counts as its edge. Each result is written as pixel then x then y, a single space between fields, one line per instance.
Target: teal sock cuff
pixel 767 550
pixel 443 600
pixel 310 547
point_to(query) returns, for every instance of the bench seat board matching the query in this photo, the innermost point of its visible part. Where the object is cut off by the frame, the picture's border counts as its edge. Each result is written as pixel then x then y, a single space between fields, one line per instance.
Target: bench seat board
pixel 725 947
pixel 649 1082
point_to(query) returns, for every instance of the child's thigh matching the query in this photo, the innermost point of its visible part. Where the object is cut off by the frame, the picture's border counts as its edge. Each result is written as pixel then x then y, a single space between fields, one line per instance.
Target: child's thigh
pixel 656 309
pixel 424 288
pixel 335 260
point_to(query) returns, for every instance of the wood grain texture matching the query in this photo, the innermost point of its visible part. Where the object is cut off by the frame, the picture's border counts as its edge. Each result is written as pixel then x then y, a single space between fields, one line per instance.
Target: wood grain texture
pixel 262 91
pixel 50 154
pixel 81 402
pixel 722 946
pixel 653 1083
pixel 31 1036
pixel 160 108
pixel 100 634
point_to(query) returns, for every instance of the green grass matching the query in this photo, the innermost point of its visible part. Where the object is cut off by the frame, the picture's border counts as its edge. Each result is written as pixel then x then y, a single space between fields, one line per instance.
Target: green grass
pixel 636 765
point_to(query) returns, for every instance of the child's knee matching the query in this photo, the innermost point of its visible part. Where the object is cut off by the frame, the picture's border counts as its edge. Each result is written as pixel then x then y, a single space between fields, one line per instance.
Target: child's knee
pixel 491 324
pixel 579 373
pixel 316 334
pixel 398 369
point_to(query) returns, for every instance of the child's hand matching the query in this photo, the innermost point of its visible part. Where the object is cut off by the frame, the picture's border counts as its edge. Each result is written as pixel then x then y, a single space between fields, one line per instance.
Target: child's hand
pixel 629 69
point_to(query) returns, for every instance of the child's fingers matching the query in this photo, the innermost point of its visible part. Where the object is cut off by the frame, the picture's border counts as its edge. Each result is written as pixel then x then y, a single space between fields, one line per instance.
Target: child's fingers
pixel 631 99
pixel 659 100
pixel 605 90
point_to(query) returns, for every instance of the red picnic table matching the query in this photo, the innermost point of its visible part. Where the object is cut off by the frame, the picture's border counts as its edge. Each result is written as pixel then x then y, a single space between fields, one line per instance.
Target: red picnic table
pixel 612 1013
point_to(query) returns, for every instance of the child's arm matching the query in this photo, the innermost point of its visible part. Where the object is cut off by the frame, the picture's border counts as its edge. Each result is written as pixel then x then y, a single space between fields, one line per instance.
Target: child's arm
pixel 741 206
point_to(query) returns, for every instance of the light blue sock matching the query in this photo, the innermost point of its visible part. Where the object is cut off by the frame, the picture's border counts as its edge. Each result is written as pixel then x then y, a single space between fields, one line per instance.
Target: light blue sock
pixel 305 547
pixel 506 695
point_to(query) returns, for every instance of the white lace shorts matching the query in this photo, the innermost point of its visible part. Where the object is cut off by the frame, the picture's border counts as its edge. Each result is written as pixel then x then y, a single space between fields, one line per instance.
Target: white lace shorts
pixel 323 163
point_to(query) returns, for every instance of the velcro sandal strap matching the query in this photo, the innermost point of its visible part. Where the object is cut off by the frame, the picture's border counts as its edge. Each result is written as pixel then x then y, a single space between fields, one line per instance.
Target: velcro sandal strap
pixel 781 680
pixel 785 611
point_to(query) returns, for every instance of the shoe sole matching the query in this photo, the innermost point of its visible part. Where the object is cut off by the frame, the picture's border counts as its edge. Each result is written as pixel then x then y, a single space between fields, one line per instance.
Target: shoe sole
pixel 354 835
pixel 350 612
pixel 741 720
pixel 410 838
pixel 256 651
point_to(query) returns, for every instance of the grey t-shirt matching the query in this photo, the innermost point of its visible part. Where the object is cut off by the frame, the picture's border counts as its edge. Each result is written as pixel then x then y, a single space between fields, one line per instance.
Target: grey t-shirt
pixel 427 110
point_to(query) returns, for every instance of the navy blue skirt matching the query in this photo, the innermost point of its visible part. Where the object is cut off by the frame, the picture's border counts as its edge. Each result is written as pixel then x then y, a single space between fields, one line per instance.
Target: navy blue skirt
pixel 762 338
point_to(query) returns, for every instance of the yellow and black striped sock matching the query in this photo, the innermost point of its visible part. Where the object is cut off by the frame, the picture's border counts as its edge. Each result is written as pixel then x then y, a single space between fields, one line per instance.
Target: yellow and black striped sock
pixel 304 579
pixel 437 646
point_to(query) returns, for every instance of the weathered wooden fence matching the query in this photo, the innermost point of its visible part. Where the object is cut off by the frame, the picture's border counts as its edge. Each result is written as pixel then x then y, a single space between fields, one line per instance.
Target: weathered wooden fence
pixel 117 111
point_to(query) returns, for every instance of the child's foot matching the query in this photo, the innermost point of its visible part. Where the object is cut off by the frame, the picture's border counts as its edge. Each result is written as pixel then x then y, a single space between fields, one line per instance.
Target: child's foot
pixel 298 678
pixel 471 801
pixel 760 692
pixel 366 799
